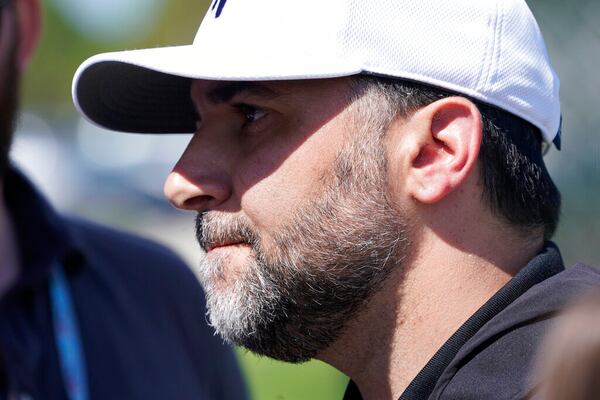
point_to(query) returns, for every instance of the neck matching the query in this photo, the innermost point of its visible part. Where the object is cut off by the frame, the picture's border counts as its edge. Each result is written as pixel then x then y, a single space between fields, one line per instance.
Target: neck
pixel 9 265
pixel 420 307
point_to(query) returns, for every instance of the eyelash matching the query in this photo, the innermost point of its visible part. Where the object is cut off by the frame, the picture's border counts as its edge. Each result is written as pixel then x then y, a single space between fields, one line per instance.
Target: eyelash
pixel 245 109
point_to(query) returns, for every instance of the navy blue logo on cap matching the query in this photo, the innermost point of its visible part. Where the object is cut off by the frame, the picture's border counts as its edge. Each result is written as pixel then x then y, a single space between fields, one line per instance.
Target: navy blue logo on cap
pixel 219 5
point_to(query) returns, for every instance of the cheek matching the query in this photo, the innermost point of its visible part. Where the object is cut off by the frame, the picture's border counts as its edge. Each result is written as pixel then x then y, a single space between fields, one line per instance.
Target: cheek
pixel 273 191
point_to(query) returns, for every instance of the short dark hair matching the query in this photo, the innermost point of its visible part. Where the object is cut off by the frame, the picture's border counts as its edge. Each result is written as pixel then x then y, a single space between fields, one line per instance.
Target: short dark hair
pixel 516 184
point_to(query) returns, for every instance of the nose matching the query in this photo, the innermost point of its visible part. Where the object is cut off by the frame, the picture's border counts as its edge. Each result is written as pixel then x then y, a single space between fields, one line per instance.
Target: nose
pixel 199 181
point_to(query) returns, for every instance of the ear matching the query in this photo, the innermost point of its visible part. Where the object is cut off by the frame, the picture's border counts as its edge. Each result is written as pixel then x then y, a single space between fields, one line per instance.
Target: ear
pixel 445 148
pixel 29 27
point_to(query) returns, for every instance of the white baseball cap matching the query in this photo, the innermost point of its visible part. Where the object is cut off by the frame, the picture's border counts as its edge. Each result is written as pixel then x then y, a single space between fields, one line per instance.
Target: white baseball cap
pixel 489 50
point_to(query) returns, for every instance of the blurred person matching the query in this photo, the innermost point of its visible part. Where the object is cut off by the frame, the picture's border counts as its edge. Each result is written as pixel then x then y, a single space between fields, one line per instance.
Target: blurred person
pixel 569 361
pixel 369 183
pixel 87 312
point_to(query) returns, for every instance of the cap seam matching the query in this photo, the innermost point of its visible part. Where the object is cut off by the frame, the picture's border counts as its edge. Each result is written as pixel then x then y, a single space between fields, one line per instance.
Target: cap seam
pixel 486 54
pixel 490 65
pixel 498 50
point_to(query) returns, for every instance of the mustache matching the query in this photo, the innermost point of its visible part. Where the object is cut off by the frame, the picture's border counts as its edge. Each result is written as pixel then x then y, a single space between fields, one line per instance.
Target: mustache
pixel 218 229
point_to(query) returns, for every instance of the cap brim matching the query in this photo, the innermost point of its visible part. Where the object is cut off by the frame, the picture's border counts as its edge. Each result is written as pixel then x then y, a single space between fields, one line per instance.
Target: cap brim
pixel 148 91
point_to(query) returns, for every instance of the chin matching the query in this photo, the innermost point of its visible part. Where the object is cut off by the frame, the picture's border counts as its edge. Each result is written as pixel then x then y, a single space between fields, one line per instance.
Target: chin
pixel 222 267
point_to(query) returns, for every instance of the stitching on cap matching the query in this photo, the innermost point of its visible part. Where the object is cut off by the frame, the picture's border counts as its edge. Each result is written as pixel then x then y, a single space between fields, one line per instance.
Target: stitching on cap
pixel 493 49
pixel 345 32
pixel 486 53
pixel 498 54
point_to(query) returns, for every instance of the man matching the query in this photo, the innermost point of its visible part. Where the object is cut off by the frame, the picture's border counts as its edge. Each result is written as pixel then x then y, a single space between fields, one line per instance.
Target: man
pixel 369 183
pixel 87 312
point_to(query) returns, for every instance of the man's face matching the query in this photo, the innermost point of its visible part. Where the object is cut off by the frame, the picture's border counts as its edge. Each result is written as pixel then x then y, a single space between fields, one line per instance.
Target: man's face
pixel 290 184
pixel 8 85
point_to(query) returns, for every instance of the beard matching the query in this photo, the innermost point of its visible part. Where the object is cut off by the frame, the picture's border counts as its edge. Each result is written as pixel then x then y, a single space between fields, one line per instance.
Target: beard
pixel 302 284
pixel 8 108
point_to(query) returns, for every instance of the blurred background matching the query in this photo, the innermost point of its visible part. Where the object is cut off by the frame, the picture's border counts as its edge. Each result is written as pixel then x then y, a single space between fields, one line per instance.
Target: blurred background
pixel 117 179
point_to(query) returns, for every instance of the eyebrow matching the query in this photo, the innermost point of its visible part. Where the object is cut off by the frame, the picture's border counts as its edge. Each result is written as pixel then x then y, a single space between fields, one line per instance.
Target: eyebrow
pixel 224 92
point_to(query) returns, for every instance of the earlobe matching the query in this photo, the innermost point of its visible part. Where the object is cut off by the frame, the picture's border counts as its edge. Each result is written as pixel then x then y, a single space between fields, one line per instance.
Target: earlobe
pixel 448 150
pixel 28 15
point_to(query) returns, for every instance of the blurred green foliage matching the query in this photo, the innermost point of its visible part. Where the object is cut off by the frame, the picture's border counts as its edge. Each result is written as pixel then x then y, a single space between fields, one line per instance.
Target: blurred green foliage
pixel 274 380
pixel 47 83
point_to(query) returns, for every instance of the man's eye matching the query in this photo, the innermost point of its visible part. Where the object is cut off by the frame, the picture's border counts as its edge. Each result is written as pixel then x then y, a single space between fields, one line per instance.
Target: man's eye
pixel 252 114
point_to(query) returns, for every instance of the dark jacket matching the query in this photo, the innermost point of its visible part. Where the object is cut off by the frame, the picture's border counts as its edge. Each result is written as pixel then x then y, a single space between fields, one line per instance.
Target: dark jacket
pixel 140 311
pixel 491 355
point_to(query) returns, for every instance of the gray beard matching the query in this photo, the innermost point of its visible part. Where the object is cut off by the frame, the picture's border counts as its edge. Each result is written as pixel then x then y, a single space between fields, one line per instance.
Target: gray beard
pixel 305 282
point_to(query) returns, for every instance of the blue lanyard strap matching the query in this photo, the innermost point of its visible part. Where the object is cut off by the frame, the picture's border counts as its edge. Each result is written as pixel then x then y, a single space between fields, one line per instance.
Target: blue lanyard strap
pixel 66 333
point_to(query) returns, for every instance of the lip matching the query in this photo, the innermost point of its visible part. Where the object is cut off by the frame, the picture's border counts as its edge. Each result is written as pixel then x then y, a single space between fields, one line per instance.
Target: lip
pixel 223 245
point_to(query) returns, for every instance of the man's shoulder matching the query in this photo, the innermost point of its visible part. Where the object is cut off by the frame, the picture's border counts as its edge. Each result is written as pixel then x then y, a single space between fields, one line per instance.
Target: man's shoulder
pixel 129 259
pixel 576 277
pixel 579 276
pixel 128 277
pixel 541 302
pixel 97 241
pixel 496 362
pixel 152 311
pixel 549 296
pixel 91 235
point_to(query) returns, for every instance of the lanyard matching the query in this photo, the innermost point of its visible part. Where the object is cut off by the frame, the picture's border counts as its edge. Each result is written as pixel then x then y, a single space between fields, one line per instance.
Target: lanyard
pixel 66 333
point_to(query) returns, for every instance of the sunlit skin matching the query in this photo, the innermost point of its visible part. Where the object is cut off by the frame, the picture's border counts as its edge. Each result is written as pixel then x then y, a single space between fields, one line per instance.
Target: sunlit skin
pixel 266 160
pixel 258 141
